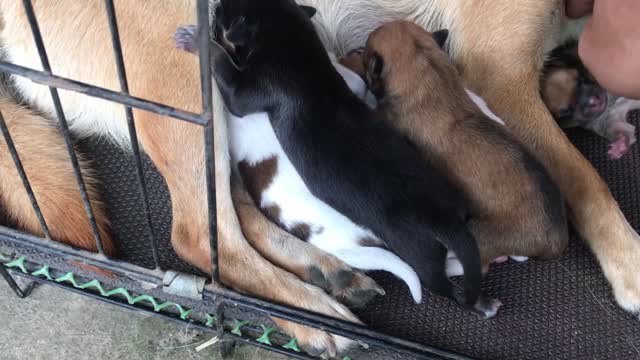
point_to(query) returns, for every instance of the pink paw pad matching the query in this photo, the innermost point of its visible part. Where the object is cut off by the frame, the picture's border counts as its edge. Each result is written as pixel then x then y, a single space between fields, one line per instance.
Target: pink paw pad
pixel 501 259
pixel 618 148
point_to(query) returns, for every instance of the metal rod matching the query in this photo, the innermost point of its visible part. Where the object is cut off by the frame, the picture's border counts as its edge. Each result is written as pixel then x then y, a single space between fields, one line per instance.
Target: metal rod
pixel 207 116
pixel 30 243
pixel 304 317
pixel 164 316
pixel 37 37
pixel 334 326
pixel 137 157
pixel 13 285
pixel 39 77
pixel 23 176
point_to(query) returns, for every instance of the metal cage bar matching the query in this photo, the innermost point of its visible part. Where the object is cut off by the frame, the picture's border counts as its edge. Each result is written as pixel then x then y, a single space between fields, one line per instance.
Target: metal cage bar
pixel 207 115
pixel 59 82
pixel 23 176
pixel 133 135
pixel 223 296
pixel 232 298
pixel 55 97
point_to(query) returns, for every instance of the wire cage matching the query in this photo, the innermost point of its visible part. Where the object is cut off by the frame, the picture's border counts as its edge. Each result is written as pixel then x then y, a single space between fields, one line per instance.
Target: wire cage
pixel 136 288
pixel 544 322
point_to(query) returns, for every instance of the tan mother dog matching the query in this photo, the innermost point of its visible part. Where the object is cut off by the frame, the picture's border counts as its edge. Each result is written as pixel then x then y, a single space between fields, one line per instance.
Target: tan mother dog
pixel 499 47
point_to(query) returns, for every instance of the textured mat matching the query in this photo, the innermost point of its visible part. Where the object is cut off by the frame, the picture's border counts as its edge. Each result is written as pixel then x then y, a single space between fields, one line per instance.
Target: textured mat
pixel 553 309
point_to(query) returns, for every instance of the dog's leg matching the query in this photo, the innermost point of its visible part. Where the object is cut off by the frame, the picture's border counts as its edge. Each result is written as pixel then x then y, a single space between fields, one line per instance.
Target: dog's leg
pixel 46 162
pixel 177 149
pixel 300 258
pixel 501 60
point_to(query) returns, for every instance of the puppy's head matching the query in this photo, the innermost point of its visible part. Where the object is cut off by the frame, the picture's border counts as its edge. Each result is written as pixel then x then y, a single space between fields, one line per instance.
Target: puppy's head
pixel 401 56
pixel 570 95
pixel 243 26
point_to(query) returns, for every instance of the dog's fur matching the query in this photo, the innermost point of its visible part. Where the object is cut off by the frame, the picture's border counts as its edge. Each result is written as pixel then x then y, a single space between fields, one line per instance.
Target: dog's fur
pixel 575 99
pixel 499 47
pixel 516 209
pixel 344 152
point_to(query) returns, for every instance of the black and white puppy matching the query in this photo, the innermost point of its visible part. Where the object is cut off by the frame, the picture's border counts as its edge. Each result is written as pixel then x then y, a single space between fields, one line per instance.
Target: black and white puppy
pixel 281 194
pixel 344 153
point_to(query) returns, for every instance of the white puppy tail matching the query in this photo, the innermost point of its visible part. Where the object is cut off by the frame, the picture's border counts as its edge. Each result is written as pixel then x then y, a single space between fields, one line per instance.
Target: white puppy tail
pixel 373 258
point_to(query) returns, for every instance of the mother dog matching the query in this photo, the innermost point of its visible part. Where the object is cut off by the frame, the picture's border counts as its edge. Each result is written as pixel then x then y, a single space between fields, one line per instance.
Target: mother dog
pixel 499 46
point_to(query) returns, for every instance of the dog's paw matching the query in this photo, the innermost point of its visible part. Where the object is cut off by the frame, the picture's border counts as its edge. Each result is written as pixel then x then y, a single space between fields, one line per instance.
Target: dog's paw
pixel 314 341
pixel 620 264
pixel 501 259
pixel 355 289
pixel 350 287
pixel 519 259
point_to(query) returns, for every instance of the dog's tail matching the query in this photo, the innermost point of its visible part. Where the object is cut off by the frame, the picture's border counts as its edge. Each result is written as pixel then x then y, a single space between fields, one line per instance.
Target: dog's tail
pixel 374 258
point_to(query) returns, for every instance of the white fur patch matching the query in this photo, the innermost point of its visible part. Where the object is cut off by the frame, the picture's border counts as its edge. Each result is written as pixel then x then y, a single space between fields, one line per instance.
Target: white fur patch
pixel 252 139
pixel 85 115
pixel 484 107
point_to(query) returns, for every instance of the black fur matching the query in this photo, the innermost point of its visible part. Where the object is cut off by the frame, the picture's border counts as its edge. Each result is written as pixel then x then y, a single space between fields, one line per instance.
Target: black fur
pixel 343 150
pixel 440 37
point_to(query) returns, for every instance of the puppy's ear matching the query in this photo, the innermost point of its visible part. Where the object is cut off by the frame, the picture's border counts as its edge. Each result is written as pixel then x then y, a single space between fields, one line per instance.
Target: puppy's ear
pixel 374 65
pixel 440 37
pixel 241 32
pixel 309 10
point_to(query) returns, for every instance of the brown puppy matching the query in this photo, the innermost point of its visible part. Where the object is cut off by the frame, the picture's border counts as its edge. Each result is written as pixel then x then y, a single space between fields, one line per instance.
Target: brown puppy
pixel 516 208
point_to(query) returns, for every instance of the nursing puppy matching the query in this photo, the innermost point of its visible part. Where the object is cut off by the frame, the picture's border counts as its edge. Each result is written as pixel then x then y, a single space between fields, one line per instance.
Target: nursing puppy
pixel 515 207
pixel 575 99
pixel 279 191
pixel 348 157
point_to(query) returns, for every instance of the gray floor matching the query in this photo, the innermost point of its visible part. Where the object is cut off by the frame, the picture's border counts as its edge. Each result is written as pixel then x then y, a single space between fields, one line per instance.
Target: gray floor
pixel 54 324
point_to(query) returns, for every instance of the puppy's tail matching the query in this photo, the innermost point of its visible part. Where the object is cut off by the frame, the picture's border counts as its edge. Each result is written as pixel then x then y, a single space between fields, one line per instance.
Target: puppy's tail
pixel 461 242
pixel 374 258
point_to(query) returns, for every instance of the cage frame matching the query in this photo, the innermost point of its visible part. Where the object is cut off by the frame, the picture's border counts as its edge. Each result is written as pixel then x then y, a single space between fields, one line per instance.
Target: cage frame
pixel 215 291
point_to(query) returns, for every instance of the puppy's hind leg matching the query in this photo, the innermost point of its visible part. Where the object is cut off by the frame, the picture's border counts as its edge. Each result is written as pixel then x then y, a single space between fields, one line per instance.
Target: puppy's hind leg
pixel 437 280
pixel 45 159
pixel 300 258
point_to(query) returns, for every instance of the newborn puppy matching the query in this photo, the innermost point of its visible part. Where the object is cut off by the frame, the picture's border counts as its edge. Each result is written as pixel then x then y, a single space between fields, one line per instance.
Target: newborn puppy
pixel 576 99
pixel 516 210
pixel 347 156
pixel 279 191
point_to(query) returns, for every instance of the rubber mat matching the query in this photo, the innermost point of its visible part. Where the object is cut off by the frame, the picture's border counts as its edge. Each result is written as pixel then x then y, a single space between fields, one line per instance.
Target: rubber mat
pixel 560 309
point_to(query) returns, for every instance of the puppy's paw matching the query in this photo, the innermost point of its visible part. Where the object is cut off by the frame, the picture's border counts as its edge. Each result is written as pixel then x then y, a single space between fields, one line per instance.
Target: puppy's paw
pixel 626 289
pixel 186 38
pixel 619 148
pixel 487 307
pixel 519 259
pixel 620 263
pixel 628 294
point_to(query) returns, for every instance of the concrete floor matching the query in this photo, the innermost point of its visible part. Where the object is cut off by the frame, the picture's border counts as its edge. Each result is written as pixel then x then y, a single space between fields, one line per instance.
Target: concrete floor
pixel 55 324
